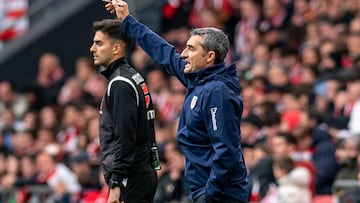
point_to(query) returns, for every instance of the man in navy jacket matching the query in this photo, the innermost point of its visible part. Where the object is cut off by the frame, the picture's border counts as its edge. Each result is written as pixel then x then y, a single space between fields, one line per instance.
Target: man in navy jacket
pixel 209 126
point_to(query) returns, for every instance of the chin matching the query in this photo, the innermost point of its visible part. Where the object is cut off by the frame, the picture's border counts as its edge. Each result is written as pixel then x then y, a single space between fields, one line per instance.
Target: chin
pixel 97 63
pixel 187 70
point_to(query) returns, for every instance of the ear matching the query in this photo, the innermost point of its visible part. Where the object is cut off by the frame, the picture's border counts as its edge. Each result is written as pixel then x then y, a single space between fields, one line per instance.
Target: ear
pixel 210 57
pixel 118 49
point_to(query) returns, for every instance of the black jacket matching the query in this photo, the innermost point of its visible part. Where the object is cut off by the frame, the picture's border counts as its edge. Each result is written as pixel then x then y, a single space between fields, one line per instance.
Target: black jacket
pixel 126 123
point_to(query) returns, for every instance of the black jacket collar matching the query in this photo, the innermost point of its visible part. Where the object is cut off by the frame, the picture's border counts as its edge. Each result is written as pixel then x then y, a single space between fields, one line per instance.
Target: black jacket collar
pixel 108 72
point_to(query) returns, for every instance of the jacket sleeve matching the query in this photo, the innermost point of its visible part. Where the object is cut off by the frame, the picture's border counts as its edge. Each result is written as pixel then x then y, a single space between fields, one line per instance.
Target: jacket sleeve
pixel 222 120
pixel 123 104
pixel 157 48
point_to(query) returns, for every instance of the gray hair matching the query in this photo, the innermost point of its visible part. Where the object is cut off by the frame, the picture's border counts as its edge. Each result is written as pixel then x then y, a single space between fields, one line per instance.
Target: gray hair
pixel 215 40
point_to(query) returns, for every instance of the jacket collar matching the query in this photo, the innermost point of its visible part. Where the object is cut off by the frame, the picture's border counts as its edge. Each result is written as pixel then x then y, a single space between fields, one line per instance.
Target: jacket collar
pixel 109 71
pixel 206 74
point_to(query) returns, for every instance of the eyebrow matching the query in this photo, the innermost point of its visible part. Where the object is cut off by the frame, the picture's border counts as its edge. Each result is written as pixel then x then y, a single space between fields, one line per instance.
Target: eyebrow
pixel 190 46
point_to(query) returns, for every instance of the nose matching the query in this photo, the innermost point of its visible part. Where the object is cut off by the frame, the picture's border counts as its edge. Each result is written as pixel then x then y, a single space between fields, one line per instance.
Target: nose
pixel 184 54
pixel 92 48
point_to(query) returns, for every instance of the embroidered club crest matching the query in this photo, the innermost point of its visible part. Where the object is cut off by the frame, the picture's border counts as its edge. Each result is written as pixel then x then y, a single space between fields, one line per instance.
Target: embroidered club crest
pixel 193 102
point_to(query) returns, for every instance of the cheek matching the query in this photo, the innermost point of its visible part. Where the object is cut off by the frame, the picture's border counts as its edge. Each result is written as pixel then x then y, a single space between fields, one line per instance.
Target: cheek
pixel 196 59
pixel 99 50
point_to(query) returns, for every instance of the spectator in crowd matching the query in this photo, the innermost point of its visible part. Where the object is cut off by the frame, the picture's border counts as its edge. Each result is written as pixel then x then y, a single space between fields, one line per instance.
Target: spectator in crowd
pixel 102 196
pixel 175 22
pixel 222 9
pixel 24 143
pixel 8 127
pixel 353 49
pixel 178 91
pixel 24 175
pixel 283 143
pixel 290 111
pixel 278 75
pixel 303 13
pixel 46 140
pixel 251 133
pixel 71 93
pixel 262 53
pixel 140 60
pixel 49 117
pixel 336 118
pixel 92 137
pixel 248 96
pixel 250 15
pixel 10 98
pixel 68 135
pixel 322 156
pixel 160 93
pixel 353 88
pixel 347 154
pixel 50 78
pixel 11 171
pixel 271 124
pixel 172 185
pixel 27 170
pixel 28 122
pixel 294 182
pixel 261 172
pixel 59 177
pixel 92 84
pixel 81 166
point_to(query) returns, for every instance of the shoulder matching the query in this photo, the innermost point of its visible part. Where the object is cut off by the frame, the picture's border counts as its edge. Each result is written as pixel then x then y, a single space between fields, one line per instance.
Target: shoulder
pixel 218 89
pixel 214 86
pixel 120 82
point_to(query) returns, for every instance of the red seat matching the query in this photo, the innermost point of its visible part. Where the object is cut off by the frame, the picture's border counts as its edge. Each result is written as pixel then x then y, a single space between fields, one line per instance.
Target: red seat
pixel 323 199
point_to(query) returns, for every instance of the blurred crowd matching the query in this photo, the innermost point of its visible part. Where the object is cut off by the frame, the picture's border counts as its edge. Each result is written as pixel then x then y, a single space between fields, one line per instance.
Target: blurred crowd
pixel 299 67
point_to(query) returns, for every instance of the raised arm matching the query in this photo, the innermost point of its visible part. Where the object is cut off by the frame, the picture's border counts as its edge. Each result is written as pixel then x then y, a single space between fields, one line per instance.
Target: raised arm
pixel 157 48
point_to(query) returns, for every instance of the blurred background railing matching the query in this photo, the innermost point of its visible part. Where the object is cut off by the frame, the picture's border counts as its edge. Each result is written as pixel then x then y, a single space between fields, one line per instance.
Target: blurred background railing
pixel 29 194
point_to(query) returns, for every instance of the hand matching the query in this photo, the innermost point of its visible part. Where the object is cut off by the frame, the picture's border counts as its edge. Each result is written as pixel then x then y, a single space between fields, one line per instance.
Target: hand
pixel 119 7
pixel 114 195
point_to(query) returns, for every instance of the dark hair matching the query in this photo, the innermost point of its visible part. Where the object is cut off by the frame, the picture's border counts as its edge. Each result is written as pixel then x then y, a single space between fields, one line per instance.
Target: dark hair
pixel 285 163
pixel 272 118
pixel 111 27
pixel 288 137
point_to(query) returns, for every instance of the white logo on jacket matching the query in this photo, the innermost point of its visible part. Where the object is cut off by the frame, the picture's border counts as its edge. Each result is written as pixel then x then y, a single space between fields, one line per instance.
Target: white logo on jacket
pixel 213 117
pixel 124 182
pixel 193 102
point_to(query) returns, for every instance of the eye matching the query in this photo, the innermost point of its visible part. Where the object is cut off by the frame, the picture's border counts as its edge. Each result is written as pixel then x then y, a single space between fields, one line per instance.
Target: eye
pixel 98 43
pixel 191 48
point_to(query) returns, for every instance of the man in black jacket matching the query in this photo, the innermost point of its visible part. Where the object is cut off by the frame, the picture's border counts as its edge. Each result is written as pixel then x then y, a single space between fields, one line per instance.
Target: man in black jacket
pixel 126 119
